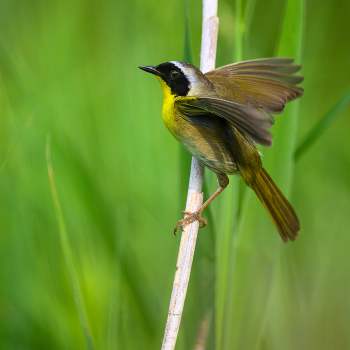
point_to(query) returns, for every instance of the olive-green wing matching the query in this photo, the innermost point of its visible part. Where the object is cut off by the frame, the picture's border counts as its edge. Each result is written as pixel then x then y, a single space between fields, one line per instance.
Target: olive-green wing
pixel 267 82
pixel 251 122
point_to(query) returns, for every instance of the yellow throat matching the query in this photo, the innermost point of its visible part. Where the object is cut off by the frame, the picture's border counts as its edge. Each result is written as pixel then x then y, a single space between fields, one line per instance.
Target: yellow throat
pixel 168 105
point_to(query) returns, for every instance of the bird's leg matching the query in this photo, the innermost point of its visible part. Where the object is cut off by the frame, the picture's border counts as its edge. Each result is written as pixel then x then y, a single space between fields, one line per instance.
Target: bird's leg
pixel 223 182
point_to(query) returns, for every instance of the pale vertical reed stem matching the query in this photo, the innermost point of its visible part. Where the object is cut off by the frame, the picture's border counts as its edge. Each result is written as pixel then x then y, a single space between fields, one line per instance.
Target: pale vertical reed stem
pixel 195 195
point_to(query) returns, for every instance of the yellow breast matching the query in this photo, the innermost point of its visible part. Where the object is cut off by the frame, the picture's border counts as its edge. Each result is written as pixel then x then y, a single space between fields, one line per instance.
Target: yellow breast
pixel 168 112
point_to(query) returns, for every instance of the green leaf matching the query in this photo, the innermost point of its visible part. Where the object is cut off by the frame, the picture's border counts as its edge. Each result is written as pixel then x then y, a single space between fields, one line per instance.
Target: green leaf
pixel 322 125
pixel 68 256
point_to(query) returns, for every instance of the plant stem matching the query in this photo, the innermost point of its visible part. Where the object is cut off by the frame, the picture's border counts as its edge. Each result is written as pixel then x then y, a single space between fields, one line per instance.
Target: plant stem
pixel 195 195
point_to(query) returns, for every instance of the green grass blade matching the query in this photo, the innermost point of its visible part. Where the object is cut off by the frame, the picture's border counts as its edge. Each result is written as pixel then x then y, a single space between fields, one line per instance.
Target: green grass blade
pixel 239 31
pixel 187 40
pixel 227 213
pixel 68 257
pixel 257 243
pixel 322 125
pixel 248 16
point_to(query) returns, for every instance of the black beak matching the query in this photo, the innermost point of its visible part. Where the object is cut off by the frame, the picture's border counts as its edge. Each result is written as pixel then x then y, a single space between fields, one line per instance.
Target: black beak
pixel 150 69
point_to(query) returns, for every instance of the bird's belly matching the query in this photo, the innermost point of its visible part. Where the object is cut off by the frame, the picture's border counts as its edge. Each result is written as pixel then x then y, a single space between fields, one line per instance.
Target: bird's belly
pixel 202 151
pixel 202 143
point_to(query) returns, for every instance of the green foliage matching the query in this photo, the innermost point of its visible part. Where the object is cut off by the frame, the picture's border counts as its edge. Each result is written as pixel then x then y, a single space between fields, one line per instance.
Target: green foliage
pixel 322 125
pixel 68 258
pixel 69 68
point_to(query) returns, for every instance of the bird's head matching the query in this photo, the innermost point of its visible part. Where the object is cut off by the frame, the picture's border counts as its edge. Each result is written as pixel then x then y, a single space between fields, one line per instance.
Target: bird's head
pixel 178 78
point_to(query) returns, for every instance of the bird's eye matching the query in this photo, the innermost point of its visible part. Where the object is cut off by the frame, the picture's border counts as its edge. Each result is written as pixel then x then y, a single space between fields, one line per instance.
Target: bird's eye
pixel 174 74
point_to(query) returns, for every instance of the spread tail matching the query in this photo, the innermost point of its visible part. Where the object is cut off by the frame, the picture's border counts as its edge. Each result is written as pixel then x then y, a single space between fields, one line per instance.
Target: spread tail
pixel 277 206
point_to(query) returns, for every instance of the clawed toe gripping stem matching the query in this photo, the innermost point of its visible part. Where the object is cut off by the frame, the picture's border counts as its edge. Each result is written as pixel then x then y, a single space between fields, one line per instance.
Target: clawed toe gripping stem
pixel 190 218
pixel 223 182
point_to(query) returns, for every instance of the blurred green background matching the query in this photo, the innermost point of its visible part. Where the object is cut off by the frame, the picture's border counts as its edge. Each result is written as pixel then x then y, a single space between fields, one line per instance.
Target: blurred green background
pixel 69 68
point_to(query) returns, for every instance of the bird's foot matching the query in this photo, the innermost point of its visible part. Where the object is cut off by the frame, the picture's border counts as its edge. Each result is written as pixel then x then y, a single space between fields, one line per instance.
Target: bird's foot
pixel 190 218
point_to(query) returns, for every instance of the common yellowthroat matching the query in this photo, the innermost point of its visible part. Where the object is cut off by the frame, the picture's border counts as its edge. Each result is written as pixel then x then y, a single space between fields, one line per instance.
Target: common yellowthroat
pixel 219 116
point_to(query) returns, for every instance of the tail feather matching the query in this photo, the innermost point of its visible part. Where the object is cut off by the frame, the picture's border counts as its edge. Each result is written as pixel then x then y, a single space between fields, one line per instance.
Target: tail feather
pixel 277 206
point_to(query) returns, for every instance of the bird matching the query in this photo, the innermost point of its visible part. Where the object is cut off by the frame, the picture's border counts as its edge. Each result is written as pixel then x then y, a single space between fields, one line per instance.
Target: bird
pixel 221 117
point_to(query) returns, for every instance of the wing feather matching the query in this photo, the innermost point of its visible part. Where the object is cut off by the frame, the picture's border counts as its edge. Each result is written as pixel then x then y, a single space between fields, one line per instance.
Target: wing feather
pixel 267 82
pixel 251 122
